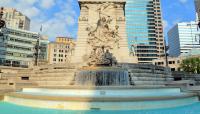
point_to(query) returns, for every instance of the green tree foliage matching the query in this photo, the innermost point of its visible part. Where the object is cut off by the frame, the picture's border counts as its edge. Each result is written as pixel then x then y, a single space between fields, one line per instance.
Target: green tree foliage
pixel 191 65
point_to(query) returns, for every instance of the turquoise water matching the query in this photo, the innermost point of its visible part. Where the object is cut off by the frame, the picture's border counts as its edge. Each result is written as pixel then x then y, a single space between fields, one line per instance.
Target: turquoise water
pixel 7 108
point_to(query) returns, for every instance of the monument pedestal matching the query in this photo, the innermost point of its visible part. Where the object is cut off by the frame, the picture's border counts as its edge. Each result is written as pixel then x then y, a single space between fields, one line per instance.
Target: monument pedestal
pixel 102 24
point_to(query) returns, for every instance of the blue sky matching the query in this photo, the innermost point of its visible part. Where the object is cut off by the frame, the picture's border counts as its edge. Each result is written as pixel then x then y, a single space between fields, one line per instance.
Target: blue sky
pixel 60 17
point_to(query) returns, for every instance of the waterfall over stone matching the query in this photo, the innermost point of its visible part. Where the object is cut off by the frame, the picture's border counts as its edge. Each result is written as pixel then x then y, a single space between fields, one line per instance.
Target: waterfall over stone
pixel 102 77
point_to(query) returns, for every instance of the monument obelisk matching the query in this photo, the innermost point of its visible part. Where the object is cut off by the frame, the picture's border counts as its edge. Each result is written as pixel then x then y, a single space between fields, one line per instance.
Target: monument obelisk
pixel 102 28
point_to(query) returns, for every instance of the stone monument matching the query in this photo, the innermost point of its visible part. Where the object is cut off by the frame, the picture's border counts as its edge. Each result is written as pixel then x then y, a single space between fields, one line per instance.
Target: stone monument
pixel 102 36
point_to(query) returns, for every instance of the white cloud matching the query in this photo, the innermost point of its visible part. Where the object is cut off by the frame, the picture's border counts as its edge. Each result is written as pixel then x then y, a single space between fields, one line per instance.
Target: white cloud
pixel 178 20
pixel 31 12
pixel 183 1
pixel 27 2
pixel 46 4
pixel 70 20
pixel 5 2
pixel 165 24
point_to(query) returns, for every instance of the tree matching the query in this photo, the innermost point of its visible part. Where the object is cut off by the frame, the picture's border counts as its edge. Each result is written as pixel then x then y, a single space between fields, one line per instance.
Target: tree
pixel 191 65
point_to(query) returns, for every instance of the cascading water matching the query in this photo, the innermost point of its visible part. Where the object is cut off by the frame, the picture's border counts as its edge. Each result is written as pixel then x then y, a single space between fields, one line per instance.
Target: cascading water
pixel 102 77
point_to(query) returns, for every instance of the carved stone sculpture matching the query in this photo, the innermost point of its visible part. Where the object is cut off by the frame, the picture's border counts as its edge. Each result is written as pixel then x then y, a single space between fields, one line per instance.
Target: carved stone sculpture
pixel 101 24
pixel 101 57
pixel 102 37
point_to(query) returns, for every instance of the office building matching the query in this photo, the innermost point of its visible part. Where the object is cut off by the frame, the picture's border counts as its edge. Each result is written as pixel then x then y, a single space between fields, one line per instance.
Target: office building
pixel 61 51
pixel 182 38
pixel 17 47
pixel 145 29
pixel 15 19
pixel 197 7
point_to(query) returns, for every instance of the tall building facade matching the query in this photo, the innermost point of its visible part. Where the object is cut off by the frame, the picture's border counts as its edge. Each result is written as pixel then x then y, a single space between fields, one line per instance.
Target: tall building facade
pixel 61 51
pixel 17 47
pixel 197 6
pixel 183 37
pixel 145 29
pixel 15 19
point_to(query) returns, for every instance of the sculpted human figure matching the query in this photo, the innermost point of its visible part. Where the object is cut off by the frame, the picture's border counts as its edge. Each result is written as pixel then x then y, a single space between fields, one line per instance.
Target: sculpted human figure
pixel 103 37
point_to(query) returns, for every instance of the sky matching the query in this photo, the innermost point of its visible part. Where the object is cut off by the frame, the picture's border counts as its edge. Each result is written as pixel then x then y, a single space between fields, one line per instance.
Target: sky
pixel 60 17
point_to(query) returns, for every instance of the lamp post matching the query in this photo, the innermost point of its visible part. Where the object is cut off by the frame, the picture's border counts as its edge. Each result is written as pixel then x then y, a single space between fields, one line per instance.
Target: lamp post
pixel 2 22
pixel 37 49
pixel 166 54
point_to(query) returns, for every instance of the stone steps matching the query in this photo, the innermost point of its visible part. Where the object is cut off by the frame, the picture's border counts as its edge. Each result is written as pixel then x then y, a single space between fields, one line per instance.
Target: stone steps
pixel 23 84
pixel 54 83
pixel 147 75
pixel 47 78
pixel 148 78
pixel 149 82
pixel 146 71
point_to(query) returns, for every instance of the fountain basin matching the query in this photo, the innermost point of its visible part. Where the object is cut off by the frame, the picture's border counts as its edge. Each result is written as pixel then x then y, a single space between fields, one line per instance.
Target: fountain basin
pixel 101 99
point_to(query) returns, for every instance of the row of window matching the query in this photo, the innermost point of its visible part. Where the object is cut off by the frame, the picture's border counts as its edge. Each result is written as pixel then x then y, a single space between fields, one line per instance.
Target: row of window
pixel 169 62
pixel 61 51
pixel 60 55
pixel 59 60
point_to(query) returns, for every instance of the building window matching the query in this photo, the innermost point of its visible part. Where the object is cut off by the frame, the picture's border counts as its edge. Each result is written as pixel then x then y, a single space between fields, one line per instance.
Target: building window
pixel 25 78
pixel 173 69
pixel 60 50
pixel 55 50
pixel 54 55
pixel 60 55
pixel 54 59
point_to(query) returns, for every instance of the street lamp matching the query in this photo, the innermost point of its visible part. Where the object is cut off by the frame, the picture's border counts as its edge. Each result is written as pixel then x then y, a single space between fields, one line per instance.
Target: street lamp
pixel 2 22
pixel 166 54
pixel 37 49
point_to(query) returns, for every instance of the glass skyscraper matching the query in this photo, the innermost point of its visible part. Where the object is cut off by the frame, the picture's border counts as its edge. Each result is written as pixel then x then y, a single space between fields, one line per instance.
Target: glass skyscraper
pixel 183 37
pixel 144 29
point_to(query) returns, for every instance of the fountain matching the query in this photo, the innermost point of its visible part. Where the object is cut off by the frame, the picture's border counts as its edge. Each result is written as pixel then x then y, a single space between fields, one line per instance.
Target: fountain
pixel 101 71
pixel 102 77
pixel 105 77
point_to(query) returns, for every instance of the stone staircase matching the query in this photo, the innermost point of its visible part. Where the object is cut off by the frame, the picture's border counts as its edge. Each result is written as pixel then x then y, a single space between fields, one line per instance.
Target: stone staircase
pixel 148 75
pixel 49 76
pixel 5 86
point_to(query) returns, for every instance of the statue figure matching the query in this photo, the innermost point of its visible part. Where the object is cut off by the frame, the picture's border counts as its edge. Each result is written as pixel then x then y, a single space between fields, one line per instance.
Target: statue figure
pixel 103 38
pixel 100 57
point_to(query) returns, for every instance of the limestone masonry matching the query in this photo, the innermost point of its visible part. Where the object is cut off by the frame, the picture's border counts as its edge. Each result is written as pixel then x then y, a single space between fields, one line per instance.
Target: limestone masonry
pixel 102 28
